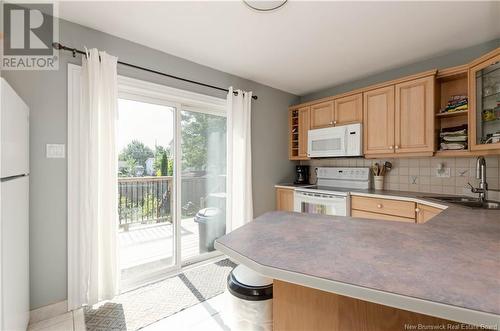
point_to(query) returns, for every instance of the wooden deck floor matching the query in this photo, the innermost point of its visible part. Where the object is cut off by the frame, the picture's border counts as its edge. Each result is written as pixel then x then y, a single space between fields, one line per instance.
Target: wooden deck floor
pixel 149 244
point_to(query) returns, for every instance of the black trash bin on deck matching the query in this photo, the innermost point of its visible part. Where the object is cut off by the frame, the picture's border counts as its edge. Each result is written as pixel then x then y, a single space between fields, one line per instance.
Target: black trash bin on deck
pixel 211 225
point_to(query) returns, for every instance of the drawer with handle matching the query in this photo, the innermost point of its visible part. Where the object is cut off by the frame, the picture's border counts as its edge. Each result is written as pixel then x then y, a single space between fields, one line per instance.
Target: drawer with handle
pixel 399 208
pixel 377 216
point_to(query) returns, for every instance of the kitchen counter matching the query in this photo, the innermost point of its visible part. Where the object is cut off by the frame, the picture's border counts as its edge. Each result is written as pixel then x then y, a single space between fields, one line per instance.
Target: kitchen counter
pixel 292 185
pixel 448 267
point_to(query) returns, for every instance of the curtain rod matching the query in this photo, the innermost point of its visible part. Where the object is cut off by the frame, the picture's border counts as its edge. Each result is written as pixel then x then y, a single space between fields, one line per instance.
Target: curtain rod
pixel 75 51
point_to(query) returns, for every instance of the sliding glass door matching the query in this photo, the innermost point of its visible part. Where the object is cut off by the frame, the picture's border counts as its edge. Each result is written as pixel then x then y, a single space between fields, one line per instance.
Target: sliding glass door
pixel 145 145
pixel 203 182
pixel 171 185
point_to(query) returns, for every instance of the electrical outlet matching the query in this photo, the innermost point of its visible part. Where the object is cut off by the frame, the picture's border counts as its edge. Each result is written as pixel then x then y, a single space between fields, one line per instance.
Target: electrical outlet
pixel 443 172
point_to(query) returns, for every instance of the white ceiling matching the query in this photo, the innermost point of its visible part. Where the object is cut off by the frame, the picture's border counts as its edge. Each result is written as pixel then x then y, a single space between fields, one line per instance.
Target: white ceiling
pixel 301 48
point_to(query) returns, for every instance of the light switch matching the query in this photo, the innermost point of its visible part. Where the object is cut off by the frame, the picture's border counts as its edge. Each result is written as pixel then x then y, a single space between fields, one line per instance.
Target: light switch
pixel 55 151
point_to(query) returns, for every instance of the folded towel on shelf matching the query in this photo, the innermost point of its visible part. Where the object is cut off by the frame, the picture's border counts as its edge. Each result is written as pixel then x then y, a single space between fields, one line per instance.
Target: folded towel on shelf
pixel 454 130
pixel 453 146
pixel 456 103
pixel 456 108
pixel 453 138
pixel 454 133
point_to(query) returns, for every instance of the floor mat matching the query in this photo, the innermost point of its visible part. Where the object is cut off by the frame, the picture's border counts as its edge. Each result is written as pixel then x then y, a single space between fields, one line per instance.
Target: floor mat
pixel 139 308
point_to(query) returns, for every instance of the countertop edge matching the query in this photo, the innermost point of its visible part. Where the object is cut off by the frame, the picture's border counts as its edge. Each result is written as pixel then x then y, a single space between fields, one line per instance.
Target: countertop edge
pixel 453 313
pixel 289 187
pixel 381 195
pixel 292 186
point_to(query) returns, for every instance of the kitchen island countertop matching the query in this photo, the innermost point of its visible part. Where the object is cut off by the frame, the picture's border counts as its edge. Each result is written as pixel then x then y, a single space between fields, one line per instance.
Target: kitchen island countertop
pixel 448 267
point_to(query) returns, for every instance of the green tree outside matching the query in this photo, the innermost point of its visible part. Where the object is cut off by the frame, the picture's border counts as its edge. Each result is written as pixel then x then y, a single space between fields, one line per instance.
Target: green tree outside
pixel 196 128
pixel 195 133
pixel 136 151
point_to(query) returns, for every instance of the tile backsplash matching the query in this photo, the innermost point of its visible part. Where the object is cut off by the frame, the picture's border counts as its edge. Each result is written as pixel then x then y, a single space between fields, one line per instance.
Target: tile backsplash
pixel 420 174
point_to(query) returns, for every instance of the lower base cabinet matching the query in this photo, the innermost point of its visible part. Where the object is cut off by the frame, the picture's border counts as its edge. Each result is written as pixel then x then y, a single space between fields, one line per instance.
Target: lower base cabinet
pixel 284 199
pixel 392 210
pixel 297 307
pixel 383 217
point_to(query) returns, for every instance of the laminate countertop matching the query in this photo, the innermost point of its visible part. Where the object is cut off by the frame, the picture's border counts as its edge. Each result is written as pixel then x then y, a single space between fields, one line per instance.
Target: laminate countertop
pixel 448 267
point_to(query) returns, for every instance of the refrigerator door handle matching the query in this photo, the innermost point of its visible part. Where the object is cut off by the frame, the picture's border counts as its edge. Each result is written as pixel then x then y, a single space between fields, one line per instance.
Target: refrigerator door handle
pixel 6 179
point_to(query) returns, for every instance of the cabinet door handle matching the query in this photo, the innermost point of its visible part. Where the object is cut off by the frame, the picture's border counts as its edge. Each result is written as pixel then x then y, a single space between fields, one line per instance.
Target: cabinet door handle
pixel 331 122
pixel 417 210
pixel 397 147
pixel 390 147
pixel 334 122
pixel 379 206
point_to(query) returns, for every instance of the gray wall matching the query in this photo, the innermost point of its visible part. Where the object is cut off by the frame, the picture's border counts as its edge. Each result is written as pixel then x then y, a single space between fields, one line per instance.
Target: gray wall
pixel 46 94
pixel 438 62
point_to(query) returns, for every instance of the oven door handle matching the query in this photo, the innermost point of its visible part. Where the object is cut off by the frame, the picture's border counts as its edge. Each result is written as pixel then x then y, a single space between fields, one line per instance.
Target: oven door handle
pixel 322 196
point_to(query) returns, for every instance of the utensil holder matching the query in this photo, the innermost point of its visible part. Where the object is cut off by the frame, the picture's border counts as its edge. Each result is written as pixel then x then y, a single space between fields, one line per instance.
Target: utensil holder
pixel 378 182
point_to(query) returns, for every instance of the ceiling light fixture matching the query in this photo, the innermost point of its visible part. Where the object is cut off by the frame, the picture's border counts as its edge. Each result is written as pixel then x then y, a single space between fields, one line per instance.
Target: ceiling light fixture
pixel 265 6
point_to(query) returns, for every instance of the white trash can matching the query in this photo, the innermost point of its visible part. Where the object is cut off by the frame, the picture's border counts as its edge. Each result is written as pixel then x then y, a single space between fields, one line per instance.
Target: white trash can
pixel 249 301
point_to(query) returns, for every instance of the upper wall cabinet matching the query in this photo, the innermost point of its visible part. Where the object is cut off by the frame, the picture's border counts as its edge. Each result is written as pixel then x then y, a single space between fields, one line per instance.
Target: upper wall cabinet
pixel 484 115
pixel 414 116
pixel 378 125
pixel 457 109
pixel 322 115
pixel 299 124
pixel 340 111
pixel 399 119
pixel 348 109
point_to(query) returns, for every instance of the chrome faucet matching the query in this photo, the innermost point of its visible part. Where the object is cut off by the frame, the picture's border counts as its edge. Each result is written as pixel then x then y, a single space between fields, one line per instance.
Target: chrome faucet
pixel 481 175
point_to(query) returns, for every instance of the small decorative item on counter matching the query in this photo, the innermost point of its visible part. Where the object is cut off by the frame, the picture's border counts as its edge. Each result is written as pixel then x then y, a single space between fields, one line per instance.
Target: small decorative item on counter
pixel 456 103
pixel 378 174
pixel 378 182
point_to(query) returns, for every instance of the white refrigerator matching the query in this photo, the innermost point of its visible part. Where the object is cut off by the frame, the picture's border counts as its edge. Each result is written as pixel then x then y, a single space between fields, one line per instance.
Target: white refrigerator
pixel 14 210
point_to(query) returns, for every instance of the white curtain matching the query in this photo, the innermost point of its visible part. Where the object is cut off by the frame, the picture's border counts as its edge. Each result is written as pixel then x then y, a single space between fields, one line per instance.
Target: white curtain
pixel 239 157
pixel 92 184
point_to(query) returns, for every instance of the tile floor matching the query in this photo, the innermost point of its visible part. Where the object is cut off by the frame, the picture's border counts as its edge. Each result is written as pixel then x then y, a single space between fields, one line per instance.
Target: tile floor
pixel 204 316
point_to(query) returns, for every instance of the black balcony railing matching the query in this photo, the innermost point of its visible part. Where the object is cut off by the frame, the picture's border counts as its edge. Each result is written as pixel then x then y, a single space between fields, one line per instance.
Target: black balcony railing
pixel 144 200
pixel 149 200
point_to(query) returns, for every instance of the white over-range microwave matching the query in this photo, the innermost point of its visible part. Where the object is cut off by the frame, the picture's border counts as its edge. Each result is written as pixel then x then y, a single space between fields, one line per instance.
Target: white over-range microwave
pixel 344 140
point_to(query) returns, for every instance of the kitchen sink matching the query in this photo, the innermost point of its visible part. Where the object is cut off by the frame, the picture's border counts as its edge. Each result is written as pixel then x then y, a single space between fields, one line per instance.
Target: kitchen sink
pixel 467 201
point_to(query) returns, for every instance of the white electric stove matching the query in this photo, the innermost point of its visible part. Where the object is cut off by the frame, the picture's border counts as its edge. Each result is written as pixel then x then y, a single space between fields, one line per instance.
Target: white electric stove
pixel 330 195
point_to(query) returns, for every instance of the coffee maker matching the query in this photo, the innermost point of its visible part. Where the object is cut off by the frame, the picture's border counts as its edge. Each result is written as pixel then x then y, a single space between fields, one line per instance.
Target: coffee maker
pixel 301 174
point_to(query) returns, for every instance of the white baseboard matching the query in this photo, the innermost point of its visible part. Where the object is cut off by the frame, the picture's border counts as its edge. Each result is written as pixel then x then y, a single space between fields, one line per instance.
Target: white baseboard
pixel 49 311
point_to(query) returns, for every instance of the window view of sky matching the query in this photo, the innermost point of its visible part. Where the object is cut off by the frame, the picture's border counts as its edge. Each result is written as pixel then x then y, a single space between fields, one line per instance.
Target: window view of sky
pixel 151 124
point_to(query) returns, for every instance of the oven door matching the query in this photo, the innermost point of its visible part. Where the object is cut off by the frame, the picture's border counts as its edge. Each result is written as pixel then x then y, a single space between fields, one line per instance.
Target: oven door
pixel 327 142
pixel 319 203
